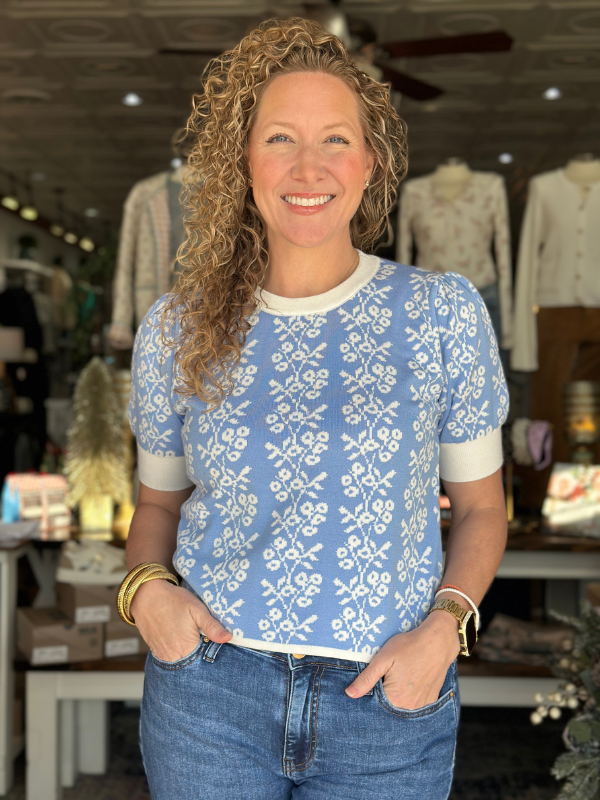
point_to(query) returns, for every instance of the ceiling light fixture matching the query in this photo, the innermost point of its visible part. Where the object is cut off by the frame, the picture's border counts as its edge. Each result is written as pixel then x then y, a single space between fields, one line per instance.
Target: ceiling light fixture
pixel 132 99
pixel 70 238
pixel 10 202
pixel 29 213
pixel 553 93
pixel 92 213
pixel 505 158
pixel 57 230
pixel 87 244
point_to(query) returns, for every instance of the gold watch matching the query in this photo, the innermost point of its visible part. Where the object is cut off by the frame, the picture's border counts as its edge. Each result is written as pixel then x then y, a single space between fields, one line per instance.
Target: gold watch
pixel 467 630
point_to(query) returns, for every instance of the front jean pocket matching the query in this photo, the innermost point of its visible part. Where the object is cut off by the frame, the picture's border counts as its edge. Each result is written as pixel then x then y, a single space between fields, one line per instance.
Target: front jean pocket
pixel 181 662
pixel 446 695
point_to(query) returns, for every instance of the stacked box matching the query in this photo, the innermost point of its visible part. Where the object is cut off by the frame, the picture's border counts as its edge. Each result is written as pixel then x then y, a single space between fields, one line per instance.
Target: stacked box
pixel 88 602
pixel 121 639
pixel 48 636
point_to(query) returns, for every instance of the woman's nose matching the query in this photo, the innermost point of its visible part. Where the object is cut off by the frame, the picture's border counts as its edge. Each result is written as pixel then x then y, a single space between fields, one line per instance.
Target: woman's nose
pixel 308 166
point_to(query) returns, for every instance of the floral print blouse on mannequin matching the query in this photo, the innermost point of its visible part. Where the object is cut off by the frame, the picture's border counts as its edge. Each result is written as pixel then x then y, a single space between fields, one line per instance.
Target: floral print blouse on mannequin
pixel 457 236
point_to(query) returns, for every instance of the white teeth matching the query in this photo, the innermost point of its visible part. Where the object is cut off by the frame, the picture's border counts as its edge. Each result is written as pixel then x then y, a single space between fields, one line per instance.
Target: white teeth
pixel 307 201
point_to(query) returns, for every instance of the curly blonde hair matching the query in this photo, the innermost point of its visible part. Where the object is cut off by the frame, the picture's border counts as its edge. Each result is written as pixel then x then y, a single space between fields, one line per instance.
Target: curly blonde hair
pixel 224 257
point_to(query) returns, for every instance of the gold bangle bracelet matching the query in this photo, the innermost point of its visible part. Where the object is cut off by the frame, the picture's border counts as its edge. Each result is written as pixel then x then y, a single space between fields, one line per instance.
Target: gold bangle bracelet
pixel 130 577
pixel 166 576
pixel 134 579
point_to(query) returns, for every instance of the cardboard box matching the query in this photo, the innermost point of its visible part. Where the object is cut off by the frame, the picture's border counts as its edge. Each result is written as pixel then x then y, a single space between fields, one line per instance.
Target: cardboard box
pixel 121 639
pixel 48 636
pixel 87 602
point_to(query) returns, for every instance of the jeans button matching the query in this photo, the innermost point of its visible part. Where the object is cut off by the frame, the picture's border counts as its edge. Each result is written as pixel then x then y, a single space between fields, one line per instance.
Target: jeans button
pixel 298 655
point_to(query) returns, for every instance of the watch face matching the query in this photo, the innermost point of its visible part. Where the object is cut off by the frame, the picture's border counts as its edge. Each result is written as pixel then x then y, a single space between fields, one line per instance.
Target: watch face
pixel 471 633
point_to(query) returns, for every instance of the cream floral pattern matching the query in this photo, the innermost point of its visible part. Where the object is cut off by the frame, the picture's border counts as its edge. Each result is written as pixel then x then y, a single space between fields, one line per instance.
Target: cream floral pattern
pixel 371 411
pixel 295 423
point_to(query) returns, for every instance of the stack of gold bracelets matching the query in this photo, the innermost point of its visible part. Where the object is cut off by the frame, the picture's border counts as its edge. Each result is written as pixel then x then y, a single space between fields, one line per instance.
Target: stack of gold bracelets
pixel 149 571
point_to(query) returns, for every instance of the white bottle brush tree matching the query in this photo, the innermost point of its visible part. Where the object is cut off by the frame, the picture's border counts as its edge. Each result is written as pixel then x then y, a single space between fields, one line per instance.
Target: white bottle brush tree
pixel 95 464
pixel 579 767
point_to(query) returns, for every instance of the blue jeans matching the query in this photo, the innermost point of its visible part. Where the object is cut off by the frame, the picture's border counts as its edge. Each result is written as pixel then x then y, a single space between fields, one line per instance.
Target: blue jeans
pixel 235 723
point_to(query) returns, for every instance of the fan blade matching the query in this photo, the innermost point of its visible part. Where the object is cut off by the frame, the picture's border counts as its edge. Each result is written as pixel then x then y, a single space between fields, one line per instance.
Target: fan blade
pixel 411 87
pixel 180 51
pixel 492 42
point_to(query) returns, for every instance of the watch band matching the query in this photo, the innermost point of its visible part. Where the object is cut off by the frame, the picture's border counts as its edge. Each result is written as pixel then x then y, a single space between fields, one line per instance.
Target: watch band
pixel 467 631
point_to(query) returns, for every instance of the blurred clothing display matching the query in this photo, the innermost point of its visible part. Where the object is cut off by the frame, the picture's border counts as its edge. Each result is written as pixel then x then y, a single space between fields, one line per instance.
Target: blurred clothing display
pixel 455 231
pixel 569 344
pixel 513 641
pixel 151 232
pixel 558 260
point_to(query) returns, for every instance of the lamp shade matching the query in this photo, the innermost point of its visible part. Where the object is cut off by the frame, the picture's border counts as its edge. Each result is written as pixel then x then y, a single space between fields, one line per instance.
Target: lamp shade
pixel 12 344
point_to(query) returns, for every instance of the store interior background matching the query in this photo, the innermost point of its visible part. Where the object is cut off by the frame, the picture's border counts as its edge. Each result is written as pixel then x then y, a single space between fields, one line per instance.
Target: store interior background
pixel 89 106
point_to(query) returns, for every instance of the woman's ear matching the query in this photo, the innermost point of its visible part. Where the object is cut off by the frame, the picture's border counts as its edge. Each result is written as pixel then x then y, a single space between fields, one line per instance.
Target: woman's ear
pixel 370 162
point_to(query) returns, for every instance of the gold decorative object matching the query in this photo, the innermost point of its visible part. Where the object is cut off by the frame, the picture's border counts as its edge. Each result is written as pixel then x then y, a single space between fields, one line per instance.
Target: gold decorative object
pixel 581 402
pixel 95 464
pixel 96 513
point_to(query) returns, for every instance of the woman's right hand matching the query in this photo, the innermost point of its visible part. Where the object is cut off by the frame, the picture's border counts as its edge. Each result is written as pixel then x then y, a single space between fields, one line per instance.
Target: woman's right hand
pixel 170 619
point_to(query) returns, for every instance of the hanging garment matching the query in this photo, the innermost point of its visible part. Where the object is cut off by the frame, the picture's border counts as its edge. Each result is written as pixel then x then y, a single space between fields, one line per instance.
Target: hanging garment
pixel 558 257
pixel 151 232
pixel 457 235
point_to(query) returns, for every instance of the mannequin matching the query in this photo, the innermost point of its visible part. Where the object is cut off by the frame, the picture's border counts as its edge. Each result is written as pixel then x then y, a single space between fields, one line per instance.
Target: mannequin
pixel 451 177
pixel 583 169
pixel 151 232
pixel 557 320
pixel 453 216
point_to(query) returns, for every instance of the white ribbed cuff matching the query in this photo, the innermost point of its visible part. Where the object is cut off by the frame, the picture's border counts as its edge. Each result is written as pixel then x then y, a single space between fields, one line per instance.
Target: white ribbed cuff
pixel 470 461
pixel 165 473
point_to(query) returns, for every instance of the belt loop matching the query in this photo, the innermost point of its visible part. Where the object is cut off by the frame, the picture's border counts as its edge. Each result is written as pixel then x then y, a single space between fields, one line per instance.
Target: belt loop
pixel 211 650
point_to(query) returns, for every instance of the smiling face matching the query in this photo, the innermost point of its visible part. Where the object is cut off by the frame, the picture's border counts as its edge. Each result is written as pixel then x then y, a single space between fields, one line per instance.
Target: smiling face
pixel 308 159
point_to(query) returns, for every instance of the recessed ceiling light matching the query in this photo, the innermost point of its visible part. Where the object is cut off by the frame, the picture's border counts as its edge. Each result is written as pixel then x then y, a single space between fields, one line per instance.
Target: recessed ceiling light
pixel 91 213
pixel 553 93
pixel 175 163
pixel 57 230
pixel 38 176
pixel 132 99
pixel 29 213
pixel 70 238
pixel 505 158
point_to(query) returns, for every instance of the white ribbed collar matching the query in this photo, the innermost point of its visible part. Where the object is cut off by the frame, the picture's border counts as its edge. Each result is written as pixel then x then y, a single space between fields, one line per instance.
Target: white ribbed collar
pixel 319 303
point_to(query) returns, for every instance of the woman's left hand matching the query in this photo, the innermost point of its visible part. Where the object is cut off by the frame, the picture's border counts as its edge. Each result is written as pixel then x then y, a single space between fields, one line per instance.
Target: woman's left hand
pixel 414 664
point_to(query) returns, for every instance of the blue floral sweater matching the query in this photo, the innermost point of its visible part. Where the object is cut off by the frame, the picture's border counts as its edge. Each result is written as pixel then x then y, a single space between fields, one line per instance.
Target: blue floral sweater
pixel 314 523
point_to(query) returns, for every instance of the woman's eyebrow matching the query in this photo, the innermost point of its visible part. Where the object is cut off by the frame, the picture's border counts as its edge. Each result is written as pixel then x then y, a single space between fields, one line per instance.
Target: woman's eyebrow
pixel 324 128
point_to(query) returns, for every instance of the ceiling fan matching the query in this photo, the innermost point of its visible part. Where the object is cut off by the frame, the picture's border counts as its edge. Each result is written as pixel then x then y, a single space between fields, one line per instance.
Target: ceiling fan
pixel 372 56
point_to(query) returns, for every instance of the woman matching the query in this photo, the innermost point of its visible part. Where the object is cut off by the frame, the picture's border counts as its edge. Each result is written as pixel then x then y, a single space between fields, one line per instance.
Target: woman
pixel 292 402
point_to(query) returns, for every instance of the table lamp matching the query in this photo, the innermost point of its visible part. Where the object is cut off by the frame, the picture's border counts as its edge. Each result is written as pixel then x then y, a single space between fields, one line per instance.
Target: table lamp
pixel 582 418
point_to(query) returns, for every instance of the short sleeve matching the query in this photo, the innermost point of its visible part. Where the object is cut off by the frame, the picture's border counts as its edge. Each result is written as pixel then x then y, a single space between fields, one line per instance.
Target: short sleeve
pixel 154 422
pixel 474 398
